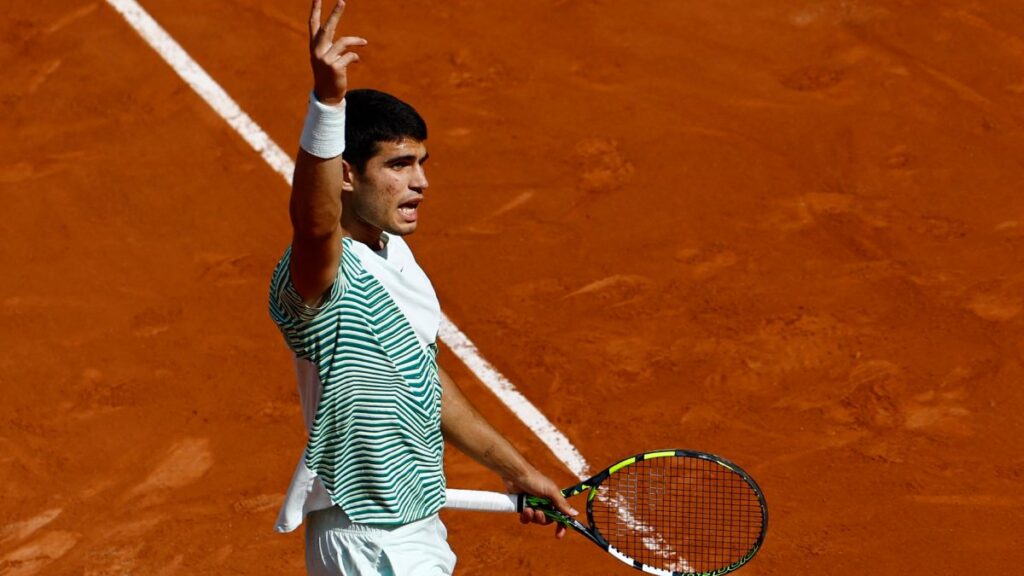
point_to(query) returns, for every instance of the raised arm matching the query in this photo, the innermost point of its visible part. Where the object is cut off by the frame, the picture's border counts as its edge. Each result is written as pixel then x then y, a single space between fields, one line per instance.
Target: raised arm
pixel 468 431
pixel 315 204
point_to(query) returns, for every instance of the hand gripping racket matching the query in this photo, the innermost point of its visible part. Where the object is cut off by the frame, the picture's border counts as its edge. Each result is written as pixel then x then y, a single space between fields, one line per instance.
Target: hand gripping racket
pixel 670 512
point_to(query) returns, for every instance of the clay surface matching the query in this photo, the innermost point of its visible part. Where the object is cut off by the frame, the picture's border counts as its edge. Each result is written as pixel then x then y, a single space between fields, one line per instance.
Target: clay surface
pixel 790 233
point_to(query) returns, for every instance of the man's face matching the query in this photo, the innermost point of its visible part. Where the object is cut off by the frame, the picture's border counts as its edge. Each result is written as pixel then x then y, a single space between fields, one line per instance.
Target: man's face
pixel 387 193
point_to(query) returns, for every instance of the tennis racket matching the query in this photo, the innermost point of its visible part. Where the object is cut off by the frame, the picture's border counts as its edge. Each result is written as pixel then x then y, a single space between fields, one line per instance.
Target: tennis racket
pixel 669 512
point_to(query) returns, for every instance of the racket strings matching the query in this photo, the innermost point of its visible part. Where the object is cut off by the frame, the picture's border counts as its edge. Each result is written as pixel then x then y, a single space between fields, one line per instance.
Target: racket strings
pixel 683 514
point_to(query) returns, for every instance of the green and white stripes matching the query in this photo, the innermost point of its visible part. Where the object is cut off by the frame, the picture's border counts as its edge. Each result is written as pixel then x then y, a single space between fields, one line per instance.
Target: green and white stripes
pixel 376 439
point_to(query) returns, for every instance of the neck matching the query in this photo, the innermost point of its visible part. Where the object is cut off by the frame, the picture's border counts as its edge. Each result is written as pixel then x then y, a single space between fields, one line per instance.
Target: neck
pixel 362 232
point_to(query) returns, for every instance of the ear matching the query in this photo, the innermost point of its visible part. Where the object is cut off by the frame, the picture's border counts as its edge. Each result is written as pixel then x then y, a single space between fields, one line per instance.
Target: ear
pixel 347 177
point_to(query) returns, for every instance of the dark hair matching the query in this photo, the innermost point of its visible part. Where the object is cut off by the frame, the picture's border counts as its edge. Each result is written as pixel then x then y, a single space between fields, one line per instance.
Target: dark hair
pixel 371 117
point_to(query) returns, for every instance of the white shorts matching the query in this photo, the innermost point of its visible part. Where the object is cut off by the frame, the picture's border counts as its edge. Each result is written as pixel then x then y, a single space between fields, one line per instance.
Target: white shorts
pixel 336 546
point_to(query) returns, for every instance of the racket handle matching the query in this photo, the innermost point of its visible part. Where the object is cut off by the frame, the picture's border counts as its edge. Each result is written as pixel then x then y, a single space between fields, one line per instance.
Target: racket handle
pixel 482 501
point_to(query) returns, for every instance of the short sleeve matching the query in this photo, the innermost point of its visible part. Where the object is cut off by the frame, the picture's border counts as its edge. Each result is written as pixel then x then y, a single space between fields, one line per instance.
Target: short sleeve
pixel 301 324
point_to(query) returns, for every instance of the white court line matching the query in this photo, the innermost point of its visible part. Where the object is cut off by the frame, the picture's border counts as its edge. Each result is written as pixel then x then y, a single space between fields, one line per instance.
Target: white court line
pixel 507 392
pixel 280 162
pixel 204 85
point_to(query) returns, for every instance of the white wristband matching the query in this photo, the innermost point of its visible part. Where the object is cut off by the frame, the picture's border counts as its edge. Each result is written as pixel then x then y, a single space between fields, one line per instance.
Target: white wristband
pixel 323 134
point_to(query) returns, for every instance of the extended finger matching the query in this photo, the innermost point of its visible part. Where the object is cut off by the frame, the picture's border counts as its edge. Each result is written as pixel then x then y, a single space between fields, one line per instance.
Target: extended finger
pixel 332 20
pixel 314 20
pixel 343 44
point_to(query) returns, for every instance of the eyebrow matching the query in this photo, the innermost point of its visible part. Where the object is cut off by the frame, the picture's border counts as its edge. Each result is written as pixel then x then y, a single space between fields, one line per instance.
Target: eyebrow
pixel 407 158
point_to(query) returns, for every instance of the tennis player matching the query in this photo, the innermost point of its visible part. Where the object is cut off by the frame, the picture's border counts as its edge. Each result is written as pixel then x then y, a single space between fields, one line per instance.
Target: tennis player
pixel 362 320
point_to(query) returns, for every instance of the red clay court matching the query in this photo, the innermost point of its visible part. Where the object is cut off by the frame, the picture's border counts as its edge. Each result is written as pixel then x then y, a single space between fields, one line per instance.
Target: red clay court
pixel 790 233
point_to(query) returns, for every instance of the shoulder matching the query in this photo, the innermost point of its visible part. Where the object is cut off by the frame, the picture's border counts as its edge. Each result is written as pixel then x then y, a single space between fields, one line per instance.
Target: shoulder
pixel 287 307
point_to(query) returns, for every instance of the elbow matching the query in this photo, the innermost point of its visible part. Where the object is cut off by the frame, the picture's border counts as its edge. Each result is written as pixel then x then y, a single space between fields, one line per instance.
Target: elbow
pixel 317 233
pixel 314 225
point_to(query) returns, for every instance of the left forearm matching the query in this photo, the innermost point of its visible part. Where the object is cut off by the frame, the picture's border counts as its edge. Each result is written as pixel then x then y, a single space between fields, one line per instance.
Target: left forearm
pixel 469 431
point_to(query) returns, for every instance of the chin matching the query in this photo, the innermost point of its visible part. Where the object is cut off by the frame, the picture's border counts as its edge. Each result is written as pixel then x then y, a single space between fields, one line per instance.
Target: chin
pixel 403 229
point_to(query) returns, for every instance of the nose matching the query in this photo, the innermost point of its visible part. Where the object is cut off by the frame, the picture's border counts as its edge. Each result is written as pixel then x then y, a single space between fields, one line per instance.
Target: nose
pixel 419 180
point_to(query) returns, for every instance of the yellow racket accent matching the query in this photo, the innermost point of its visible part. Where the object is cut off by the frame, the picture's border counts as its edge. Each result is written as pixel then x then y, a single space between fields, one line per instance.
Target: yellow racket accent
pixel 621 465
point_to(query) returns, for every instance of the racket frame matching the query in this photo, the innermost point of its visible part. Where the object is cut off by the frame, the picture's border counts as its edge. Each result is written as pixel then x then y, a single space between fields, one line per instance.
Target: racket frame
pixel 594 534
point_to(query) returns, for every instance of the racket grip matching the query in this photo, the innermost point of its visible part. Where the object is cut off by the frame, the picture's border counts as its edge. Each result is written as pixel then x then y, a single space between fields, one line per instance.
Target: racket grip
pixel 482 501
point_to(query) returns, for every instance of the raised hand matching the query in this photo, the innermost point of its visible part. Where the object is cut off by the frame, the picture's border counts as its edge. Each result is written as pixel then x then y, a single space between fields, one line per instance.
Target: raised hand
pixel 330 58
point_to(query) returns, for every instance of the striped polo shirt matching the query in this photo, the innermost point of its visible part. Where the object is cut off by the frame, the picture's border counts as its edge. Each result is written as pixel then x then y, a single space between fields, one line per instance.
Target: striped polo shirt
pixel 367 363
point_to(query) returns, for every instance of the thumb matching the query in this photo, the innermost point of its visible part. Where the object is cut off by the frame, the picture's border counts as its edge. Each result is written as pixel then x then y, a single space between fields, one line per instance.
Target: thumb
pixel 562 505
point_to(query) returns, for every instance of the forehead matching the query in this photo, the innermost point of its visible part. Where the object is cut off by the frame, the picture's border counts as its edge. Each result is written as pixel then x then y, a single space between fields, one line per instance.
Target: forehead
pixel 405 147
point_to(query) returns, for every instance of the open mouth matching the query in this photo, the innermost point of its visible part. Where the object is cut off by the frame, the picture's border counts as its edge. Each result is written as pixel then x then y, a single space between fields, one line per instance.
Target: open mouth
pixel 409 210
